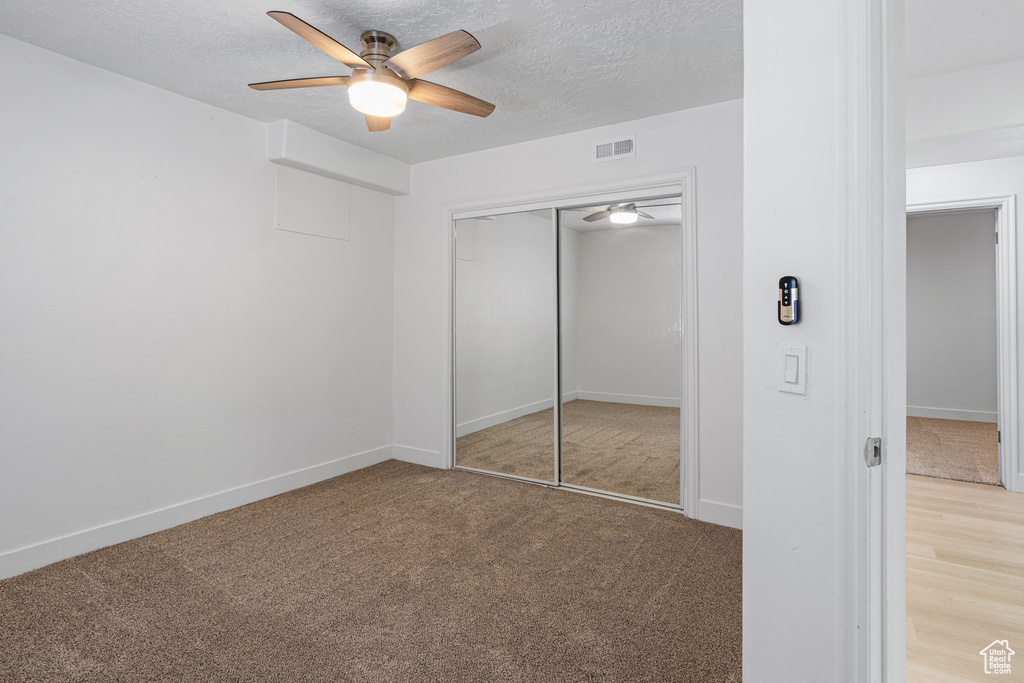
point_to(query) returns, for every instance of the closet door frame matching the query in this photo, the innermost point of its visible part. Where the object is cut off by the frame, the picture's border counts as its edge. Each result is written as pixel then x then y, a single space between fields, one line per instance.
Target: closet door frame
pixel 679 182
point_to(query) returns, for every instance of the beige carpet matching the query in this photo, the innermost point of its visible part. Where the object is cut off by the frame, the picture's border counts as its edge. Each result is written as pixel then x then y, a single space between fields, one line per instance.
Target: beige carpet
pixel 953 449
pixel 524 447
pixel 393 573
pixel 613 447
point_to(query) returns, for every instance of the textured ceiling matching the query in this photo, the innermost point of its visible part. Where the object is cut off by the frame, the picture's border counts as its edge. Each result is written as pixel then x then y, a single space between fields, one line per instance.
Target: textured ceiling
pixel 550 66
pixel 951 35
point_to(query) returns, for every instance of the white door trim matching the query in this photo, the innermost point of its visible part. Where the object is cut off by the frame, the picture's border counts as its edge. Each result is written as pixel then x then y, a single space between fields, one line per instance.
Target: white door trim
pixel 1006 322
pixel 872 329
pixel 680 181
pixel 889 601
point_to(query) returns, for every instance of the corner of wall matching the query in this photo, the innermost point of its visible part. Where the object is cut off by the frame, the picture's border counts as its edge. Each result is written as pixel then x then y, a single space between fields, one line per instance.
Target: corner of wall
pixel 417 456
pixel 21 560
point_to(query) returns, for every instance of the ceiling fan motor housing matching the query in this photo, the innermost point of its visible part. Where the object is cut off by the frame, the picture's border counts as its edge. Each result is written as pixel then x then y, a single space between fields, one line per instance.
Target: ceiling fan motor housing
pixel 377 46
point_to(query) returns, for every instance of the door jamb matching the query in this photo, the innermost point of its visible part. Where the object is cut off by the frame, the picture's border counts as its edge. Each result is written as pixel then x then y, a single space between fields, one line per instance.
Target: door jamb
pixel 872 170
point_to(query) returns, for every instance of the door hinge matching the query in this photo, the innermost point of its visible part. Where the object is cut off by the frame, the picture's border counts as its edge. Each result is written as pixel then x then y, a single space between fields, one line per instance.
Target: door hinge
pixel 873 451
pixel 997 238
pixel 999 437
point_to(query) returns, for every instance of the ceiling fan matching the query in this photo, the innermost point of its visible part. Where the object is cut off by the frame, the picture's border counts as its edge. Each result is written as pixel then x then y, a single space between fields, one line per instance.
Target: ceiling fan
pixel 618 213
pixel 380 83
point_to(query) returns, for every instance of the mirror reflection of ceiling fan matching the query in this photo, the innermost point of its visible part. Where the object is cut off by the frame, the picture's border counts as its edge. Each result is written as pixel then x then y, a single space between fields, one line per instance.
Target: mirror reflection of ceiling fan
pixel 380 84
pixel 623 214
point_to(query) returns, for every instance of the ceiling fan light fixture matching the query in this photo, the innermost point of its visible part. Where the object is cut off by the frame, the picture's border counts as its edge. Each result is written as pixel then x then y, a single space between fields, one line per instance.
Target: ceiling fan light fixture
pixel 623 216
pixel 381 83
pixel 377 93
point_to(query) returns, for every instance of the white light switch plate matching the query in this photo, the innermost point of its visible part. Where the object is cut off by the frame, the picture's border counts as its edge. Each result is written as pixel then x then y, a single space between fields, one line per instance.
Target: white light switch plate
pixel 793 369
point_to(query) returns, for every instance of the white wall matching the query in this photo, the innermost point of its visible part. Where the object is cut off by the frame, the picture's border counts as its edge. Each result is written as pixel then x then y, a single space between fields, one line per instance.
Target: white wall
pixel 794 626
pixel 504 319
pixel 629 341
pixel 967 115
pixel 708 138
pixel 165 351
pixel 984 98
pixel 951 315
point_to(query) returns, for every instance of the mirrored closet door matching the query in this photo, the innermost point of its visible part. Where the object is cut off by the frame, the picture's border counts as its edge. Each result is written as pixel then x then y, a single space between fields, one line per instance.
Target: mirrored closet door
pixel 621 348
pixel 505 336
pixel 584 303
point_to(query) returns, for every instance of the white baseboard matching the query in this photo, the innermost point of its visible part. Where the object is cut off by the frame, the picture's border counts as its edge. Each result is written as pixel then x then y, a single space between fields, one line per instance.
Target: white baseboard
pixel 506 415
pixel 632 399
pixel 502 417
pixel 417 456
pixel 19 561
pixel 950 414
pixel 720 513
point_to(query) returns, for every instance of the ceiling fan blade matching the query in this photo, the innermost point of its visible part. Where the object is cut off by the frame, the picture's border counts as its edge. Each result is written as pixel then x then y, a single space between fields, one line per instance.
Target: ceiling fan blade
pixel 597 216
pixel 300 83
pixel 433 54
pixel 376 124
pixel 645 215
pixel 320 40
pixel 440 96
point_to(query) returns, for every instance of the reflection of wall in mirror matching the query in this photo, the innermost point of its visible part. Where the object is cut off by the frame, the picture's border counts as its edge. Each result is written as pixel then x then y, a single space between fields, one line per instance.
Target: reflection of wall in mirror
pixel 569 258
pixel 504 319
pixel 629 318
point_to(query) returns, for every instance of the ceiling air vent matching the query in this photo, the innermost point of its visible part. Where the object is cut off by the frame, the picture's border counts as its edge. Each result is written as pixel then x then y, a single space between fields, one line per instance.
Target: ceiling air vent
pixel 616 149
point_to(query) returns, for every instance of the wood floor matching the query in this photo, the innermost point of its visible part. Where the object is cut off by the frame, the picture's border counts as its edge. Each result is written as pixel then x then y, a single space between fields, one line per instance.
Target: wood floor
pixel 965 578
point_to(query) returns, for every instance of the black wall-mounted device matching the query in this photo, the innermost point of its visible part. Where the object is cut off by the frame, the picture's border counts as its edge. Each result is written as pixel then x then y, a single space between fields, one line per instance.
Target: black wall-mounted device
pixel 789 301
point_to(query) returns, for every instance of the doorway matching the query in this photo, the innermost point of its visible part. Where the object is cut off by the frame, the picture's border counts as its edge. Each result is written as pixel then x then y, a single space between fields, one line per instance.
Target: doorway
pixel 940 385
pixel 952 343
pixel 961 365
pixel 584 302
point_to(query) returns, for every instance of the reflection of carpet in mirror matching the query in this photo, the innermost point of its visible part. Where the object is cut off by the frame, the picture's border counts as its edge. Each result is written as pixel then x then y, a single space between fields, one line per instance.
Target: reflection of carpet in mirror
pixel 615 447
pixel 953 449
